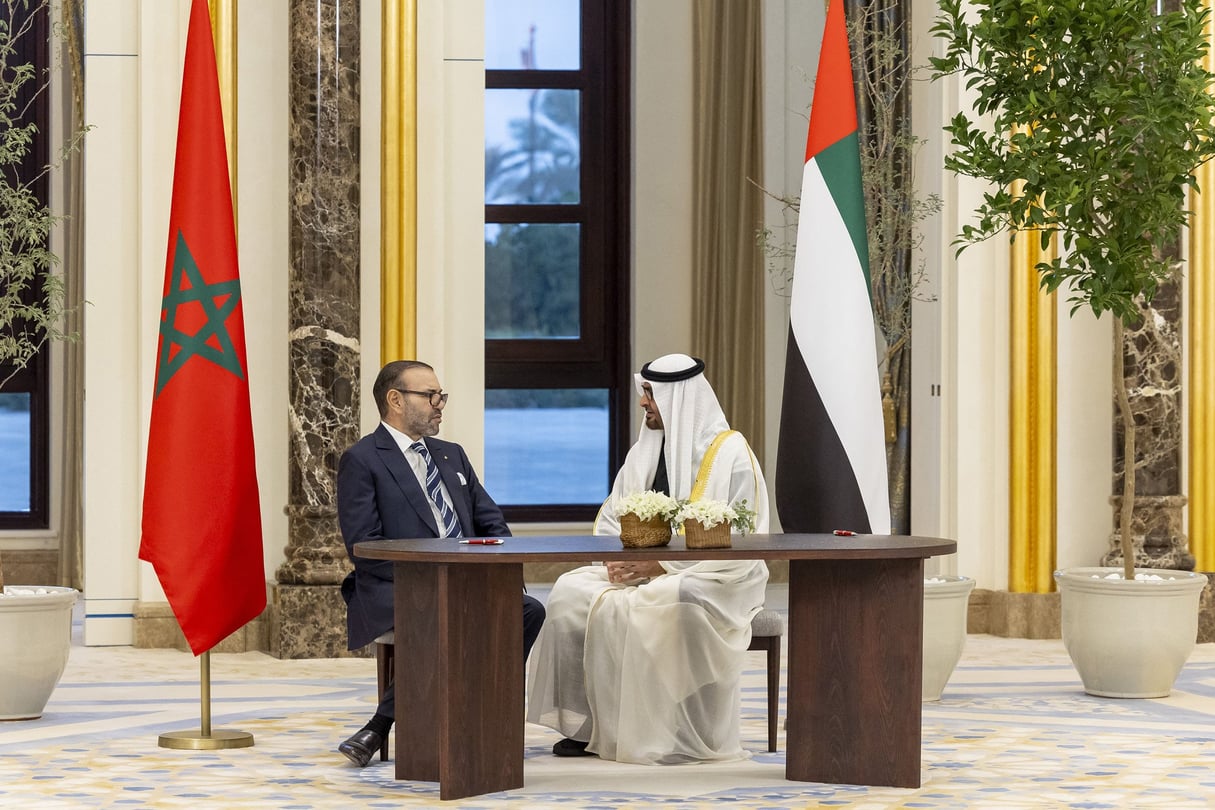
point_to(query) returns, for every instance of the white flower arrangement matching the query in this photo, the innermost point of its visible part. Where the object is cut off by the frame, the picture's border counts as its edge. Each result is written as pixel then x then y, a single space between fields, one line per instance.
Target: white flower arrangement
pixel 648 505
pixel 711 513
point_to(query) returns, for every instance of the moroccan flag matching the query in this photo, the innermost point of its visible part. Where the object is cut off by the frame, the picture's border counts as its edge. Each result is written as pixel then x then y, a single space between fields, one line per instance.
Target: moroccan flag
pixel 202 527
pixel 831 457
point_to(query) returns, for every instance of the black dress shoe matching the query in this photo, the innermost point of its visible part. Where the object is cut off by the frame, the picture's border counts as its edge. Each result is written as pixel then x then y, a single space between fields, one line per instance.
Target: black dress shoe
pixel 571 748
pixel 360 747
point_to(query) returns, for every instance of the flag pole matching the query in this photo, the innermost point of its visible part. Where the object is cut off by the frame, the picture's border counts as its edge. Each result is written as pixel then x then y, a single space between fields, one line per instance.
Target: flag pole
pixel 204 739
pixel 207 378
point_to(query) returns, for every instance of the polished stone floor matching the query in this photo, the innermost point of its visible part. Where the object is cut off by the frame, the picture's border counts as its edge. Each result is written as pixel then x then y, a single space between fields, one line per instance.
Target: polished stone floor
pixel 1012 730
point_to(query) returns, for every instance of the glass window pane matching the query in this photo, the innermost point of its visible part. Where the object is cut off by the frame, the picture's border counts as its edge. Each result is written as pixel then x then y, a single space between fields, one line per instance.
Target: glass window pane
pixel 14 452
pixel 532 146
pixel 569 467
pixel 532 34
pixel 531 281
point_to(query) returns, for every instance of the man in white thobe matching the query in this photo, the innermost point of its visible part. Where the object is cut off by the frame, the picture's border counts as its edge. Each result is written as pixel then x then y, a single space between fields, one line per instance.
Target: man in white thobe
pixel 640 661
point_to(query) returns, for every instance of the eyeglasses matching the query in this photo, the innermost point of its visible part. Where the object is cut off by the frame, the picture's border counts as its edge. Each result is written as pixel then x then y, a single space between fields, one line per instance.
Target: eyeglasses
pixel 436 398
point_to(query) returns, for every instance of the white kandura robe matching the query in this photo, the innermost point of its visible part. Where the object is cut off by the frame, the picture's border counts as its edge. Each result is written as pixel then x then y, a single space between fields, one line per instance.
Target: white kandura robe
pixel 665 657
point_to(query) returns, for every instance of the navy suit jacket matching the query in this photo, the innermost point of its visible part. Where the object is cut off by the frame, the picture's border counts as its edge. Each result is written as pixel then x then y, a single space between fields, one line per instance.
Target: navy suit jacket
pixel 379 498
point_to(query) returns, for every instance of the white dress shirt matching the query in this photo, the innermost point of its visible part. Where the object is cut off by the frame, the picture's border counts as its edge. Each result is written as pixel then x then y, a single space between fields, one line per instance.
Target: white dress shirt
pixel 418 465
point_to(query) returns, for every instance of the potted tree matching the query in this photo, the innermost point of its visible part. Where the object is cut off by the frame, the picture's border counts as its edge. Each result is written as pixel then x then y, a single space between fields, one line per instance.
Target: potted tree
pixel 1090 119
pixel 35 621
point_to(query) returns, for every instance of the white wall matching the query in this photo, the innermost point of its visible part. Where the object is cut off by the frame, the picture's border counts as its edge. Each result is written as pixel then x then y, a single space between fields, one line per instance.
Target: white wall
pixel 116 361
pixel 451 214
pixel 662 181
pixel 262 222
pixel 926 346
pixel 1085 439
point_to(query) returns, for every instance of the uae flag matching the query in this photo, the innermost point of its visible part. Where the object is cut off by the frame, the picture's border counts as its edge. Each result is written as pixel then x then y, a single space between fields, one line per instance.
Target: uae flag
pixel 831 457
pixel 201 517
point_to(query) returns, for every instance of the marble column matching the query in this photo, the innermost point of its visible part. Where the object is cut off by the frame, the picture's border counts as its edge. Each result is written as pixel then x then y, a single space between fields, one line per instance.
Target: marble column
pixel 1152 351
pixel 324 349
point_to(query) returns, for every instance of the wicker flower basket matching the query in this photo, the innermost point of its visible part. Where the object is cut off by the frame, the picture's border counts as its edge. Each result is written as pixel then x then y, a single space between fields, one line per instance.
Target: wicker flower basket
pixel 697 536
pixel 638 533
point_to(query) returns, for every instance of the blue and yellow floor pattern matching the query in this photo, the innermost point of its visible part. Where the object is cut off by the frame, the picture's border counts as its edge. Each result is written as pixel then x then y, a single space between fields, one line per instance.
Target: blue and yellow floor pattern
pixel 1013 730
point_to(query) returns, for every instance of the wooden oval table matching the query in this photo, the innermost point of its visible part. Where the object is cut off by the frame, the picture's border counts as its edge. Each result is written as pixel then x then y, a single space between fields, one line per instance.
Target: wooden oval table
pixel 856 616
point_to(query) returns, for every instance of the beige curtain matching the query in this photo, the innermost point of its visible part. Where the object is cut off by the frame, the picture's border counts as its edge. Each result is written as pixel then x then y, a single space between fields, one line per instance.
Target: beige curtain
pixel 728 268
pixel 71 382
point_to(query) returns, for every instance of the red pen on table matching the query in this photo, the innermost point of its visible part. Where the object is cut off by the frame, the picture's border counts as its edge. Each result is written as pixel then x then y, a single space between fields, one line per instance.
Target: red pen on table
pixel 478 541
pixel 843 533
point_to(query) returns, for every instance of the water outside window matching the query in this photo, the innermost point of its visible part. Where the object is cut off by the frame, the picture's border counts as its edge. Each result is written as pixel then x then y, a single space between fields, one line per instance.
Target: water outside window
pixel 14 452
pixel 546 446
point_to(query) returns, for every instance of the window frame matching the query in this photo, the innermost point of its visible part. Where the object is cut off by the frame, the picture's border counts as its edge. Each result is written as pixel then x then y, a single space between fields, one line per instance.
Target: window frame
pixel 33 379
pixel 600 356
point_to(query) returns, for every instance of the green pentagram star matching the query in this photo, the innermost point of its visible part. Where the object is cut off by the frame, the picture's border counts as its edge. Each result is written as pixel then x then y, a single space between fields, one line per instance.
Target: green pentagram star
pixel 218 301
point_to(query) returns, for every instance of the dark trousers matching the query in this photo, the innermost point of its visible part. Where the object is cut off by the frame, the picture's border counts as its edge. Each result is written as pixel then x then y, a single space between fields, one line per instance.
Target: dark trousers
pixel 533 619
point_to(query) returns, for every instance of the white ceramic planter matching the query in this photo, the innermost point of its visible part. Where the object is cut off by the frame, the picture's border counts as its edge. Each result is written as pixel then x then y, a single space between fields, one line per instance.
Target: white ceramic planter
pixel 1129 639
pixel 35 637
pixel 946 599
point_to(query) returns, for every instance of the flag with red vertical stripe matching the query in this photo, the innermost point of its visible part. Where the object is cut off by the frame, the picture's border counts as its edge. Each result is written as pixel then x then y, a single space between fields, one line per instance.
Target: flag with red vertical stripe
pixel 831 455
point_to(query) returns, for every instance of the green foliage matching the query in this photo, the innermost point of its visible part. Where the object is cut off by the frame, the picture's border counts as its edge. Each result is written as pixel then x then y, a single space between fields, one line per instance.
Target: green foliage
pixel 531 281
pixel 1090 118
pixel 744 518
pixel 532 269
pixel 31 295
pixel 543 162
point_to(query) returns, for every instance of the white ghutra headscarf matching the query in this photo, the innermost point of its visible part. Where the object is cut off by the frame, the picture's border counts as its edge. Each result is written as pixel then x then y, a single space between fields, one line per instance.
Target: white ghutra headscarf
pixel 691 418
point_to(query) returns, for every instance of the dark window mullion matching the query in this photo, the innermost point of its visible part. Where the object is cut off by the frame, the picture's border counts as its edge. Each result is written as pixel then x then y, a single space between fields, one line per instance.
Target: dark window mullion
pixel 535 80
pixel 559 373
pixel 613 25
pixel 516 213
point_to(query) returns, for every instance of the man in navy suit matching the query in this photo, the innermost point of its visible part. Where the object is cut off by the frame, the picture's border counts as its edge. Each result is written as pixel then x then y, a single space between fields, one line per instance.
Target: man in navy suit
pixel 401 482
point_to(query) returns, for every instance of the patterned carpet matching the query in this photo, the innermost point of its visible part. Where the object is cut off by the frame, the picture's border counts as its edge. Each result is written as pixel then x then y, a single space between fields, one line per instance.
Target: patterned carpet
pixel 1013 730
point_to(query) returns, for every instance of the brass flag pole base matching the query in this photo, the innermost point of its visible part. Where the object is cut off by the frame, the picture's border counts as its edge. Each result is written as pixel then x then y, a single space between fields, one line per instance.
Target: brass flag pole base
pixel 197 741
pixel 205 739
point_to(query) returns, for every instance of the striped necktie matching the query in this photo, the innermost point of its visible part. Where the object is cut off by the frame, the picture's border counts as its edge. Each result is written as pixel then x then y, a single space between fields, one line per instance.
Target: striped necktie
pixel 451 524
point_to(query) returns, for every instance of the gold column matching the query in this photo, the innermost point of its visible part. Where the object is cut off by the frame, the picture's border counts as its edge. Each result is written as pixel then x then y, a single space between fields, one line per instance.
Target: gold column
pixel 1032 471
pixel 399 181
pixel 1201 350
pixel 223 33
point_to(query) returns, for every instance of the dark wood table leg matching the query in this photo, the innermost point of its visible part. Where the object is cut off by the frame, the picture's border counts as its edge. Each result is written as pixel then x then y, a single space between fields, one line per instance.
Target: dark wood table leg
pixel 459 676
pixel 855 657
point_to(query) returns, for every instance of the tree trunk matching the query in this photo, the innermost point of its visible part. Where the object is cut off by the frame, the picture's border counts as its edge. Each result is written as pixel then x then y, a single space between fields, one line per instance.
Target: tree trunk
pixel 1128 455
pixel 898 440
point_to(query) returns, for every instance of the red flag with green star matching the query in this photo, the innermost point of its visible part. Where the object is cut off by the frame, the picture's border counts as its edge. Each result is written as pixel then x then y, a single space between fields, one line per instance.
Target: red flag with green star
pixel 202 527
